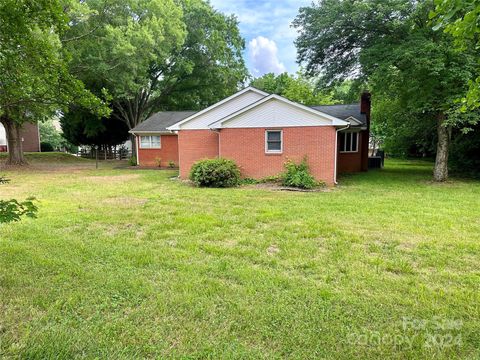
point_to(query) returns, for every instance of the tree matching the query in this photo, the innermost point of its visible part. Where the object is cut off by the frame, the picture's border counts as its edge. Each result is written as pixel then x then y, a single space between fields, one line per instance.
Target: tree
pixel 81 127
pixel 209 66
pixel 13 210
pixel 156 54
pixel 461 18
pixel 391 45
pixel 49 134
pixel 295 88
pixel 34 78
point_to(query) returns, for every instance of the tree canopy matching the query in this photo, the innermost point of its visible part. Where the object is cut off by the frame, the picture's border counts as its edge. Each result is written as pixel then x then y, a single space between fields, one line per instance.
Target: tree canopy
pixel 461 19
pixel 156 54
pixel 34 79
pixel 80 127
pixel 295 88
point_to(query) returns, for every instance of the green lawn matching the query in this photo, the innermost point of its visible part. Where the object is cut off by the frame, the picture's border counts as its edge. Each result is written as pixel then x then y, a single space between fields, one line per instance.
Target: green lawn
pixel 125 263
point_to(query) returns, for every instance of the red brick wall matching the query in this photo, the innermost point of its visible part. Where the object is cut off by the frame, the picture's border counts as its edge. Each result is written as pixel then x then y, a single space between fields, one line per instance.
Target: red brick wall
pixel 195 145
pixel 247 147
pixel 167 153
pixel 31 141
pixel 351 162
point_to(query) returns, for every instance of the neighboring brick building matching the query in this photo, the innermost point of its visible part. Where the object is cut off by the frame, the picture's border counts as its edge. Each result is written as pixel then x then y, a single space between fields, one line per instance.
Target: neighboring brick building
pixel 30 138
pixel 260 132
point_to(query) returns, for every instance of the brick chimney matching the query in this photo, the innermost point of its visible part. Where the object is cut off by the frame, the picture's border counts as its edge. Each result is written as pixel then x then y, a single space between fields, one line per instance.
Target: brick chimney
pixel 365 105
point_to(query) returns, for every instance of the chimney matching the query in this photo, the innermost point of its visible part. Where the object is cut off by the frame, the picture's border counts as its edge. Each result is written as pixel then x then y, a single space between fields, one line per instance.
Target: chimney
pixel 365 103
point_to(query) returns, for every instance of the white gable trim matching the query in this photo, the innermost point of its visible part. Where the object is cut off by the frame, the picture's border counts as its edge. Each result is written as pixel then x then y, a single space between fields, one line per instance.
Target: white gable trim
pixel 355 120
pixel 191 117
pixel 335 121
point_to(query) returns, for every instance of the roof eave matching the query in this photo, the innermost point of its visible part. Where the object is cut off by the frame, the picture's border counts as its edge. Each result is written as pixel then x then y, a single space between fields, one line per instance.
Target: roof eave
pixel 165 132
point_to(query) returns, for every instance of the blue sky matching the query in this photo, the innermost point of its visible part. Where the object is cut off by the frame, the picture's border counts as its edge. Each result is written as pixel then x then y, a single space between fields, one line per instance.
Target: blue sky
pixel 265 25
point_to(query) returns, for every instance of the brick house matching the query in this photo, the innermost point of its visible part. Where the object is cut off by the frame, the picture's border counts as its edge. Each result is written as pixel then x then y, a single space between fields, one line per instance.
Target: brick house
pixel 30 136
pixel 260 131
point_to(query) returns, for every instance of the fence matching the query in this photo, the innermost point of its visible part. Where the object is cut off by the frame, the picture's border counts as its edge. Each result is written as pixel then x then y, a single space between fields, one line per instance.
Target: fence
pixel 110 153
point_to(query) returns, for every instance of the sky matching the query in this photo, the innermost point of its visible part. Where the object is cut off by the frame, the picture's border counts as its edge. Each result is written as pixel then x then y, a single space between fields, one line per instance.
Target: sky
pixel 265 26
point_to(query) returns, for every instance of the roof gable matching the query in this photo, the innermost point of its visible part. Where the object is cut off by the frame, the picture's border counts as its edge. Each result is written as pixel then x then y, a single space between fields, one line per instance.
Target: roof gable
pixel 276 111
pixel 219 110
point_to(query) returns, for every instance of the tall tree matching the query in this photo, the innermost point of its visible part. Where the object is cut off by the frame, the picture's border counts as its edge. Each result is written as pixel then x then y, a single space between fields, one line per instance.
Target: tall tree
pixel 81 127
pixel 34 78
pixel 461 19
pixel 390 44
pixel 156 54
pixel 119 45
pixel 209 66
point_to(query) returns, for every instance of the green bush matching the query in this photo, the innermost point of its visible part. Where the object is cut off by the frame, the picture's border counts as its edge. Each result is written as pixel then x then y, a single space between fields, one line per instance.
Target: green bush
pixel 132 161
pixel 464 158
pixel 215 173
pixel 298 175
pixel 46 146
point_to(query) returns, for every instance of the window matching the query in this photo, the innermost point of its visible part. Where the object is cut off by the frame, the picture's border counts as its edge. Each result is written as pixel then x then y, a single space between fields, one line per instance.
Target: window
pixel 273 141
pixel 349 142
pixel 150 142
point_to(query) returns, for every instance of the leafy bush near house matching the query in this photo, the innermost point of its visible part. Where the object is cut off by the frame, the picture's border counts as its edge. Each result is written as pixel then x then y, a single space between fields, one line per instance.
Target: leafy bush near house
pixel 132 161
pixel 46 147
pixel 171 164
pixel 215 173
pixel 298 175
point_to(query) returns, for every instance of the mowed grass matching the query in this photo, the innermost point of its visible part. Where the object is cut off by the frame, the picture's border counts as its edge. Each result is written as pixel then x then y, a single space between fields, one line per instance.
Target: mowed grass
pixel 126 263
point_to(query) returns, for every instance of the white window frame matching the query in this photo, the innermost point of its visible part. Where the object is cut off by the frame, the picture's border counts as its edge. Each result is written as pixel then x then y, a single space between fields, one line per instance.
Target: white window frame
pixel 344 150
pixel 150 146
pixel 266 142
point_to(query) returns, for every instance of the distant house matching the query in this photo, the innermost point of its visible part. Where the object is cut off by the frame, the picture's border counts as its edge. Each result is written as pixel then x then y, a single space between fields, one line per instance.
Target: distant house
pixel 30 136
pixel 260 131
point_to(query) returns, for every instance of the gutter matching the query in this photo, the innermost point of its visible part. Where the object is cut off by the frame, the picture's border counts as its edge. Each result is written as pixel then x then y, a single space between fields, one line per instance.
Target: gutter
pixel 336 153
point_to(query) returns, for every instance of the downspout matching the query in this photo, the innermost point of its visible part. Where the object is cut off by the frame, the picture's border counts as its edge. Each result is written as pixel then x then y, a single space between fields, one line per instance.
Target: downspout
pixel 218 133
pixel 336 153
pixel 137 147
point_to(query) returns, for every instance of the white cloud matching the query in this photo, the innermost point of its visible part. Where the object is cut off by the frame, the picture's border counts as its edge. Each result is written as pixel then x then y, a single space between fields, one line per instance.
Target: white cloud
pixel 270 18
pixel 263 54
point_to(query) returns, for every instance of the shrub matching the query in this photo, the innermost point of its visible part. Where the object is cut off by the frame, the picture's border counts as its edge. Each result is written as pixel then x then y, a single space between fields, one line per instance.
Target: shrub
pixel 249 181
pixel 171 164
pixel 158 161
pixel 46 147
pixel 271 179
pixel 298 175
pixel 215 173
pixel 132 161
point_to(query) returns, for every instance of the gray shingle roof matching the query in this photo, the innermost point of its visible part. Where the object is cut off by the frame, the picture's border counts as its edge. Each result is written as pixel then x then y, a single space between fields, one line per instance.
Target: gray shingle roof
pixel 161 120
pixel 343 111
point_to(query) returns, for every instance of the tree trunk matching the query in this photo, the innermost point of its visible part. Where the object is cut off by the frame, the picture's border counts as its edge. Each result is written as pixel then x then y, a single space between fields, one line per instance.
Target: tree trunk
pixel 440 173
pixel 14 141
